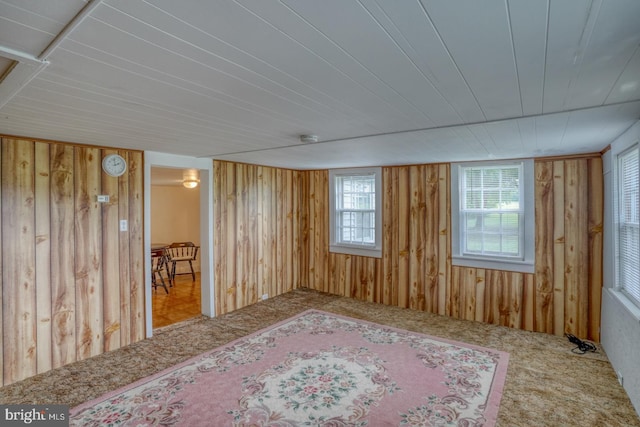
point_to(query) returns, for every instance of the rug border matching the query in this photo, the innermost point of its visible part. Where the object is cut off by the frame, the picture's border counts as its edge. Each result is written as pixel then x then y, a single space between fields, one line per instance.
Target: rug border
pixel 495 390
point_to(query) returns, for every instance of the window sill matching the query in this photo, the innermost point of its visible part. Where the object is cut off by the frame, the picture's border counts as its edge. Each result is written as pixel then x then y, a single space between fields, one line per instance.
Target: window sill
pixel 351 250
pixel 630 307
pixel 491 264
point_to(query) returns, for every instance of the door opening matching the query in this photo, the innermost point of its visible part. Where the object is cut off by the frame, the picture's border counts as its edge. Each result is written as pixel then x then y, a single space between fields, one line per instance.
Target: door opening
pixel 195 220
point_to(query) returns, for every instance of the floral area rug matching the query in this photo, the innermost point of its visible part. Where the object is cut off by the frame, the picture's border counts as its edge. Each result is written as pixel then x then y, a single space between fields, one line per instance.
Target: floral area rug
pixel 316 369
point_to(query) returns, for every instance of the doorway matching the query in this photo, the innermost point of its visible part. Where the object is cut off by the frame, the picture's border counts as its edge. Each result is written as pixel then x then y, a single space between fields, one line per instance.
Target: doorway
pixel 175 219
pixel 201 198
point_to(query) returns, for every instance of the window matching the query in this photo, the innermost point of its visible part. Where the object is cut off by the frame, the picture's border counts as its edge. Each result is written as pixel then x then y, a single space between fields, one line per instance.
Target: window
pixel 628 221
pixel 355 220
pixel 493 215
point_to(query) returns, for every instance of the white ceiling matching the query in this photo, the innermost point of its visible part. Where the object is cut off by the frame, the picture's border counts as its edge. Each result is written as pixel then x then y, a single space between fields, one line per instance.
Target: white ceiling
pixel 381 82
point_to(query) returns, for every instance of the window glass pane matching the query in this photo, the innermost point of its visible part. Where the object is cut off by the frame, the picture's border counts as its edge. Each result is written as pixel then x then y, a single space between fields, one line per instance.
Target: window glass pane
pixel 355 212
pixel 473 243
pixel 473 178
pixel 473 199
pixel 491 211
pixel 510 245
pixel 628 265
pixel 491 199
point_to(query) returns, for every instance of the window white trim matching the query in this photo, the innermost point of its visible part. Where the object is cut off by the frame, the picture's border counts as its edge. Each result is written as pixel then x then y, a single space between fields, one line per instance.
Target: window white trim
pixel 374 250
pixel 524 264
pixel 629 293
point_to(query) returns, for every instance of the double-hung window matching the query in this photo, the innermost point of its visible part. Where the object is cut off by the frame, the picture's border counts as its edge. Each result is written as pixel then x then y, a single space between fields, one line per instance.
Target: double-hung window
pixel 493 215
pixel 628 224
pixel 355 211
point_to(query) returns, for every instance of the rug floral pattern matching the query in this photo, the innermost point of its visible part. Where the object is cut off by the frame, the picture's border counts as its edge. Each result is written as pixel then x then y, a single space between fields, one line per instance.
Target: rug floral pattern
pixel 316 369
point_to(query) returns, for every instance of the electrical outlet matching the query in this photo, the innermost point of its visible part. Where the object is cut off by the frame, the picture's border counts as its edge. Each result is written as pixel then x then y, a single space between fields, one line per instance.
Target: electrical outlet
pixel 265 296
pixel 123 225
pixel 620 379
pixel 103 198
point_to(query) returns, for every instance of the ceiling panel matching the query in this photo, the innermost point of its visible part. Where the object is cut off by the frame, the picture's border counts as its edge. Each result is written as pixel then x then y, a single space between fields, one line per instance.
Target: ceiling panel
pixel 608 49
pixel 527 19
pixel 483 51
pixel 30 25
pixel 380 82
pixel 413 31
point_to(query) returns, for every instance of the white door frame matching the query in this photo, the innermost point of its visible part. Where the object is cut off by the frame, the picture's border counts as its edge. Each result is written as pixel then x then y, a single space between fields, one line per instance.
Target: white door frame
pixel 205 166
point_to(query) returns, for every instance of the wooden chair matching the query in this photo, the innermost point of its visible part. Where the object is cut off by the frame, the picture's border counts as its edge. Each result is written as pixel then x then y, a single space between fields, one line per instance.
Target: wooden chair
pixel 182 252
pixel 158 264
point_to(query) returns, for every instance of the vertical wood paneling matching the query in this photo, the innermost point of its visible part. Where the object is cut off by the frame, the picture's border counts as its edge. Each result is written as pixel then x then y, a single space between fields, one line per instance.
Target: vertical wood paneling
pixel 63 308
pixel 136 237
pixel 88 273
pixel 43 256
pixel 280 229
pixel 558 248
pixel 596 222
pixel 62 296
pixel 256 246
pixel 220 234
pixel 263 278
pixel 18 250
pixel 231 280
pixel 242 254
pixel 544 186
pixel 529 297
pixel 416 236
pixel 319 228
pixel 480 287
pixel 290 236
pixel 297 184
pixel 576 247
pixel 111 261
pixel 125 271
pixel 416 272
pixel 303 242
pixel 444 239
pixel 430 210
pixel 404 225
pixel 389 256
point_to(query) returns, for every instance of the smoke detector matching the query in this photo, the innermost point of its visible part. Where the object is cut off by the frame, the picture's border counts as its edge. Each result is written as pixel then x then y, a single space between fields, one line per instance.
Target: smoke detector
pixel 308 138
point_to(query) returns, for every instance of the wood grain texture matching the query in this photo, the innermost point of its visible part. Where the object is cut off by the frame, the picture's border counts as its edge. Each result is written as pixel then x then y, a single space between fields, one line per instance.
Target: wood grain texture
pixel 62 297
pixel 135 173
pixel 63 257
pixel 256 249
pixel 415 271
pixel 596 226
pixel 88 232
pixel 43 256
pixel 18 250
pixel 125 271
pixel 111 261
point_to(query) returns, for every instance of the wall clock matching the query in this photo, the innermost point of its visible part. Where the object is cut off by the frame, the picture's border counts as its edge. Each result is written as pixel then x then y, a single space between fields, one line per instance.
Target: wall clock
pixel 114 165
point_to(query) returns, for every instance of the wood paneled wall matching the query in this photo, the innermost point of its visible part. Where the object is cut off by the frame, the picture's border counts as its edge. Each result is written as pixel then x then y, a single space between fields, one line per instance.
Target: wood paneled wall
pixel 256 233
pixel 72 283
pixel 415 271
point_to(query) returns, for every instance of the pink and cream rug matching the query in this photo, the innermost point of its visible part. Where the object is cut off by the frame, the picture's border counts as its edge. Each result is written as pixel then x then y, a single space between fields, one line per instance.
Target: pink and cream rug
pixel 316 369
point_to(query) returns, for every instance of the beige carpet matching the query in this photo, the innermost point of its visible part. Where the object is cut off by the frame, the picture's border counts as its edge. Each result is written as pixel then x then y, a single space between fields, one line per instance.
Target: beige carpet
pixel 547 385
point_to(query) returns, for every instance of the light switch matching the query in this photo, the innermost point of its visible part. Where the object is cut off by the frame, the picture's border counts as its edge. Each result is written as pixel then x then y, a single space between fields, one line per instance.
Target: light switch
pixel 123 225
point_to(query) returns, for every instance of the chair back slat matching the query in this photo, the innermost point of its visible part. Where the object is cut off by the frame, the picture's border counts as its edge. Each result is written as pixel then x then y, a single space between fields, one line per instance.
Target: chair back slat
pixel 182 250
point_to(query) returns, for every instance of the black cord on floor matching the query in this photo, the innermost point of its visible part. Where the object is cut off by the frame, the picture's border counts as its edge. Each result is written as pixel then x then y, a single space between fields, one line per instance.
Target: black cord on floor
pixel 581 346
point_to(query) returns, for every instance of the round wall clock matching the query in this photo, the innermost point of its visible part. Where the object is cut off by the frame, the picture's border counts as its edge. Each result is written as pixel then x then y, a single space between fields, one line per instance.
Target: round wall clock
pixel 114 165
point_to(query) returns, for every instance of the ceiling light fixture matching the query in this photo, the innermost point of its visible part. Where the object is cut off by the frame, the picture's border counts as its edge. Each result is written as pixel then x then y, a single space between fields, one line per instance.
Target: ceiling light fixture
pixel 190 178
